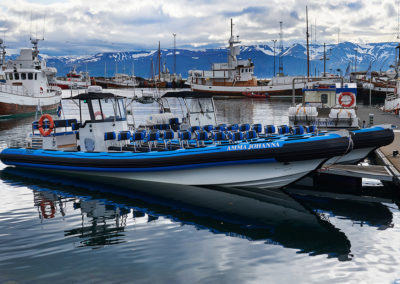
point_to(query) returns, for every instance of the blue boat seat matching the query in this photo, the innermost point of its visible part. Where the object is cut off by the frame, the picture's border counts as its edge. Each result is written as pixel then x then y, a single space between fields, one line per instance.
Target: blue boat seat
pixel 270 129
pixel 152 138
pixel 109 136
pixel 244 127
pixel 235 136
pixel 208 128
pixel 194 128
pixel 174 124
pixel 251 134
pixel 185 136
pixel 124 135
pixel 138 135
pixel 298 130
pixel 221 127
pixel 168 134
pixel 161 126
pixel 233 127
pixel 257 128
pixel 283 129
pixel 201 136
pixel 219 136
pixel 311 129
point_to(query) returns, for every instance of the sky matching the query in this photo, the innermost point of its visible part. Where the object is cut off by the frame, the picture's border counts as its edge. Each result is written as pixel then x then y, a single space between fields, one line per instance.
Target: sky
pixel 72 27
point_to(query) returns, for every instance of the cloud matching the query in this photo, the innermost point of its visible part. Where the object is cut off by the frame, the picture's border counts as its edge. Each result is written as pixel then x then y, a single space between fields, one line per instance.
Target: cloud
pixel 85 26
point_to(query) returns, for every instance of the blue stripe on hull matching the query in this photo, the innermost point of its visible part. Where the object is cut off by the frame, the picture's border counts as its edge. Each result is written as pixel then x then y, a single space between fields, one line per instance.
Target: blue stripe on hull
pixel 155 169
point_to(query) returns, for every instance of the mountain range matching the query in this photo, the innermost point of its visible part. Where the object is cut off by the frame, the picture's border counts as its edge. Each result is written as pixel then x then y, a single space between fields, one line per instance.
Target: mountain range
pixel 294 59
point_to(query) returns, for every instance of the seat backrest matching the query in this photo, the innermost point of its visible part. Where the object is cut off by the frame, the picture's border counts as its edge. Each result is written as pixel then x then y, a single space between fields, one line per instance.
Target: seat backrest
pixel 168 134
pixel 233 127
pixel 298 130
pixel 311 129
pixel 270 129
pixel 138 135
pixel 201 135
pixel 283 129
pixel 109 136
pixel 251 134
pixel 208 128
pixel 221 127
pixel 124 135
pixel 219 136
pixel 244 127
pixel 257 127
pixel 185 135
pixel 236 136
pixel 194 128
pixel 153 135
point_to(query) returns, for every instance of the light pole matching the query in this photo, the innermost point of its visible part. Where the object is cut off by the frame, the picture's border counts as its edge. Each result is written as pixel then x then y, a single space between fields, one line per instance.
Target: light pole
pixel 274 41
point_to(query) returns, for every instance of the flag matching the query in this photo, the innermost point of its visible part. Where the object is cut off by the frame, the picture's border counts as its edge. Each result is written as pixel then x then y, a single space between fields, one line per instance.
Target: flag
pixel 59 109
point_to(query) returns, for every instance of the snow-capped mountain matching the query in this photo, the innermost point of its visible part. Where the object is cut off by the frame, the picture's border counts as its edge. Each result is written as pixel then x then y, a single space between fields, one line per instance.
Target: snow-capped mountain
pixel 294 59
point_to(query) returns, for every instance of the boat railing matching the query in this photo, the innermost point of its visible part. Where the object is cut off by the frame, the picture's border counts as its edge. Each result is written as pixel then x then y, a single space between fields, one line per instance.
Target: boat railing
pixel 23 91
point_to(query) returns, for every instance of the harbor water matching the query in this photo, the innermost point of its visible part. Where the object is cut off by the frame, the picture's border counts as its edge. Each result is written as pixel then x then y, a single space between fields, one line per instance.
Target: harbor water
pixel 60 228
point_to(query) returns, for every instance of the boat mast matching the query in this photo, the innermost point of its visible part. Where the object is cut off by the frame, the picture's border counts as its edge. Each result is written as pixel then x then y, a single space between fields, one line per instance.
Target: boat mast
pixel 233 50
pixel 280 73
pixel 174 53
pixel 3 53
pixel 159 62
pixel 308 51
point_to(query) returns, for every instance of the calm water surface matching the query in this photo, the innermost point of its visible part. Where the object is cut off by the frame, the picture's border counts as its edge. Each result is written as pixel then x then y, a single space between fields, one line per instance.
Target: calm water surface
pixel 70 231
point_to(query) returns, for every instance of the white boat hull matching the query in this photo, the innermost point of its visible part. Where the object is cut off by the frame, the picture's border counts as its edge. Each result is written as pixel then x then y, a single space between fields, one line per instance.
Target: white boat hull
pixel 355 156
pixel 14 103
pixel 258 175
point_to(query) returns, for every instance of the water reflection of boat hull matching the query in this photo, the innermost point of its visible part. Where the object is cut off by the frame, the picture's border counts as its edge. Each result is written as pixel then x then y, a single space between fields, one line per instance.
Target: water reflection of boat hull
pixel 252 214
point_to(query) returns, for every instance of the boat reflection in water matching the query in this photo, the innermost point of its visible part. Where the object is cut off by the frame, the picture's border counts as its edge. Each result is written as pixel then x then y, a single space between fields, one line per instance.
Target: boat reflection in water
pixel 270 215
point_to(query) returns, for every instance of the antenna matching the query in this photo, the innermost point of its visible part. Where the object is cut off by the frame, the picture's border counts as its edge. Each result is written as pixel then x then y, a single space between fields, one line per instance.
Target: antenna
pixel 174 53
pixel 281 48
pixel 338 35
pixel 308 52
pixel 44 24
pixel 398 20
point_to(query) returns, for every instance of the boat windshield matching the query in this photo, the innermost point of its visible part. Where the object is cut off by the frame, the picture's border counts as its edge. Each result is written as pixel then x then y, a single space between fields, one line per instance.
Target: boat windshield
pixel 107 109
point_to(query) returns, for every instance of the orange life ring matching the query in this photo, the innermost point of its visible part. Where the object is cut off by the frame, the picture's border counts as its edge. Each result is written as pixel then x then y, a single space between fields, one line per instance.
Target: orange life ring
pixel 344 94
pixel 99 113
pixel 41 120
pixel 43 205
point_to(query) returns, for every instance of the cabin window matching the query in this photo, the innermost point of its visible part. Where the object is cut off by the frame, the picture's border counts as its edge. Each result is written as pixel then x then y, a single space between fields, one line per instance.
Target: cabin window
pixel 10 76
pixel 16 76
pixel 23 76
pixel 324 98
pixel 35 76
pixel 30 76
pixel 98 113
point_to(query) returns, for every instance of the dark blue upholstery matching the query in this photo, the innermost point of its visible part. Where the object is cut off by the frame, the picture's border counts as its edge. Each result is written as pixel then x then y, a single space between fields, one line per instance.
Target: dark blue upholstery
pixel 185 135
pixel 298 130
pixel 194 128
pixel 138 135
pixel 221 127
pixel 236 136
pixel 233 127
pixel 244 127
pixel 161 126
pixel 201 135
pixel 124 135
pixel 283 129
pixel 169 134
pixel 270 129
pixel 257 127
pixel 251 134
pixel 109 136
pixel 219 136
pixel 311 129
pixel 153 135
pixel 208 128
pixel 174 123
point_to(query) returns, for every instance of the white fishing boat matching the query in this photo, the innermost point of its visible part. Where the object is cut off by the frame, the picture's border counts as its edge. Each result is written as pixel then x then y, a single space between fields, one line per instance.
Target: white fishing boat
pixel 26 89
pixel 237 77
pixel 74 80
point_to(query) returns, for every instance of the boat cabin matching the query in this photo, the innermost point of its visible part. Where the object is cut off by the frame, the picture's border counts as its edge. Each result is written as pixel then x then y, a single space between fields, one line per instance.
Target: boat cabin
pixel 102 118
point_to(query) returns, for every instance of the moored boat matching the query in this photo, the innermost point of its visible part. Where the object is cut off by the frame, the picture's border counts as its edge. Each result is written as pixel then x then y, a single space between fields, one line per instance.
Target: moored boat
pixel 26 89
pixel 102 145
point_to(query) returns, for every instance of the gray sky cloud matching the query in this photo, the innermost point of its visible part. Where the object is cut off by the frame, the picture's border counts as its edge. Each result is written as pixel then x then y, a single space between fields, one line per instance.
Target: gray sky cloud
pixel 98 25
